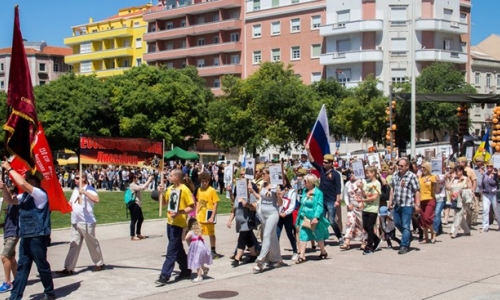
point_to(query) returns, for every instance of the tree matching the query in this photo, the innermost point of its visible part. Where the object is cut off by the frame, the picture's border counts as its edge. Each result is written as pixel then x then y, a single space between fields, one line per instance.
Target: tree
pixel 72 105
pixel 160 103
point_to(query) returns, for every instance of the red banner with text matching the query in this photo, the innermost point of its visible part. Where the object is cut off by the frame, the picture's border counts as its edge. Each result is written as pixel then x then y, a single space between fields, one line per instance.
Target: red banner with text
pixel 96 150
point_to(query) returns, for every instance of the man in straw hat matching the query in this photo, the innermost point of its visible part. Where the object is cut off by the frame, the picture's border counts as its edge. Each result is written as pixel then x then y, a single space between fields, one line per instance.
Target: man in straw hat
pixel 34 230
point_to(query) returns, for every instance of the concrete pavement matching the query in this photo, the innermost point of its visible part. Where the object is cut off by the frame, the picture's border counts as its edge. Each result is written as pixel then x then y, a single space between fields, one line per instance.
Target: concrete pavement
pixel 462 268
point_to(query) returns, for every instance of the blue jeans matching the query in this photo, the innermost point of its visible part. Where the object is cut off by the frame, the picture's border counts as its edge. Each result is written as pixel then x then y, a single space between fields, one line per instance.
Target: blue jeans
pixel 31 250
pixel 402 220
pixel 330 212
pixel 437 218
pixel 175 252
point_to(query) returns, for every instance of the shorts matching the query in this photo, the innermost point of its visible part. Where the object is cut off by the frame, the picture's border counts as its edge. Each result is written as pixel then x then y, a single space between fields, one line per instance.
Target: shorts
pixel 207 229
pixel 9 246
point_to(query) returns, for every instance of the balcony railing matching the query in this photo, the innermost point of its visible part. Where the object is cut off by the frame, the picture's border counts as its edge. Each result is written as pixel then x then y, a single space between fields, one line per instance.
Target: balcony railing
pixel 441 55
pixel 351 27
pixel 351 57
pixel 441 25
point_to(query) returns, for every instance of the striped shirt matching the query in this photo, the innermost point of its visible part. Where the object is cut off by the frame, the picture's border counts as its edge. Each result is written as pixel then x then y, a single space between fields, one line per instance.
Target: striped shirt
pixel 405 188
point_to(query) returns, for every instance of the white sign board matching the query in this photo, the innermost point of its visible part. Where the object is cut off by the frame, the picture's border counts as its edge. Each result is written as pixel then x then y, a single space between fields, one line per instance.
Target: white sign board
pixel 242 189
pixel 228 174
pixel 276 174
pixel 358 169
pixel 468 153
pixel 437 166
pixel 496 161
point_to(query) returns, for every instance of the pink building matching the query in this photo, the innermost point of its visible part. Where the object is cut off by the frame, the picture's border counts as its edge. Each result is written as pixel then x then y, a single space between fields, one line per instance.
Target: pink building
pixel 286 31
pixel 46 63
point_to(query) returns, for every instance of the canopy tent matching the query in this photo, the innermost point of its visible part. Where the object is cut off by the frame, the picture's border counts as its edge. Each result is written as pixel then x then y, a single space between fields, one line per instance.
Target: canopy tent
pixel 62 162
pixel 178 153
pixel 451 98
pixel 73 160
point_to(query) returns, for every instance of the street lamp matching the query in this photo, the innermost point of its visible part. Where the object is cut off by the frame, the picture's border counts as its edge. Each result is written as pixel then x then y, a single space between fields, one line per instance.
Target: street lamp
pixel 339 71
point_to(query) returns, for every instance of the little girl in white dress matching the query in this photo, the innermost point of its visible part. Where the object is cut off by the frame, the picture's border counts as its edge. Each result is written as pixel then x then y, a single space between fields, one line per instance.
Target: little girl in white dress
pixel 198 255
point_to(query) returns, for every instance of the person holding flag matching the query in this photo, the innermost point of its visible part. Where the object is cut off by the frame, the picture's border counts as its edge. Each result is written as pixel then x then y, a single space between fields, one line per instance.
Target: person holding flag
pixel 317 148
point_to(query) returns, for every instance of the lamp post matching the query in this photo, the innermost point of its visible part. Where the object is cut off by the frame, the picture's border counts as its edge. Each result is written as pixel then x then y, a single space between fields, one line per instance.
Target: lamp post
pixel 413 122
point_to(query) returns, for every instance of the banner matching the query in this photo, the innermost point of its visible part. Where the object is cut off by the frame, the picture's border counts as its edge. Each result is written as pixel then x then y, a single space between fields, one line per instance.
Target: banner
pixel 96 150
pixel 45 165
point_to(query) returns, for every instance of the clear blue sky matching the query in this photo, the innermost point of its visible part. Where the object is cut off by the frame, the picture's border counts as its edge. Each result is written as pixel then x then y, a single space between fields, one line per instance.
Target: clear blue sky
pixel 51 20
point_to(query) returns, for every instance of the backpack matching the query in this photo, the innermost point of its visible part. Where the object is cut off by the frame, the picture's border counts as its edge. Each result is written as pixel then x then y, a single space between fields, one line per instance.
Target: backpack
pixel 129 197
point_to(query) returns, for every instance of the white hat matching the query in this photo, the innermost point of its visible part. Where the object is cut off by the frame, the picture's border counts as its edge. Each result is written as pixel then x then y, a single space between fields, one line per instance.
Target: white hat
pixel 304 153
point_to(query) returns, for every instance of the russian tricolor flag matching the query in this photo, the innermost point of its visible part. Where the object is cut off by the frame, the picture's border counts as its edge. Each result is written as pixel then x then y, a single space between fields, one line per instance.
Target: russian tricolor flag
pixel 319 143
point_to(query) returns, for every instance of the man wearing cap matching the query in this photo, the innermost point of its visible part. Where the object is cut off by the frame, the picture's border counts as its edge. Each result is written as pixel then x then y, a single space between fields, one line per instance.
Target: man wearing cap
pixel 471 209
pixel 331 186
pixel 34 230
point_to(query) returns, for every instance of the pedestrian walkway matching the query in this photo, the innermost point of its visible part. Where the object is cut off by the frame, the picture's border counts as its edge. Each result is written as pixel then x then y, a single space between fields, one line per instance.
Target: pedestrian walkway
pixel 462 268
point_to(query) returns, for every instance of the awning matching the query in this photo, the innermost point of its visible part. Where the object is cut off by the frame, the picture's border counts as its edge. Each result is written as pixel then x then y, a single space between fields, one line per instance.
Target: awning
pixel 451 98
pixel 178 153
pixel 73 160
pixel 62 162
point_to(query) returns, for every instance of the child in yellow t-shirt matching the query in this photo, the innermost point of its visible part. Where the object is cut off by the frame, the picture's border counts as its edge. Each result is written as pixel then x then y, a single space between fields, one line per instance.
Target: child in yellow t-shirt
pixel 206 210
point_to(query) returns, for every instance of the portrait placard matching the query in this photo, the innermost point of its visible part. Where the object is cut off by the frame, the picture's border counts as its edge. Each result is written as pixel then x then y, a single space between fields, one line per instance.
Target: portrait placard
pixel 496 161
pixel 374 161
pixel 276 173
pixel 174 200
pixel 468 153
pixel 228 174
pixel 250 168
pixel 358 169
pixel 437 166
pixel 242 189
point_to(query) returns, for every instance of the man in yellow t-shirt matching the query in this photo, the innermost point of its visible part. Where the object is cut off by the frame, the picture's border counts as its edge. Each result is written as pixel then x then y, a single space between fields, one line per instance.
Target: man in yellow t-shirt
pixel 176 222
pixel 206 210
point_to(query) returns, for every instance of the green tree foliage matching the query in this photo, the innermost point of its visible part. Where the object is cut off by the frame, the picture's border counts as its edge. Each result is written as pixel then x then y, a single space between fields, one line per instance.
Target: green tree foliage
pixel 74 105
pixel 362 113
pixel 270 108
pixel 161 103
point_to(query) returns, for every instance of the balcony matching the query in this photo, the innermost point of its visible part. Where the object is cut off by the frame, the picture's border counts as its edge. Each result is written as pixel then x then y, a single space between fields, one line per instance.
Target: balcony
pixel 219 70
pixel 441 25
pixel 200 29
pixel 99 55
pixel 110 72
pixel 194 51
pixel 441 55
pixel 358 56
pixel 198 8
pixel 351 27
pixel 99 36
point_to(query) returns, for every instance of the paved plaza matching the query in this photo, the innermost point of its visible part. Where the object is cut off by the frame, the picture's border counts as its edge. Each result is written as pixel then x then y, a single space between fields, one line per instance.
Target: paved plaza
pixel 462 268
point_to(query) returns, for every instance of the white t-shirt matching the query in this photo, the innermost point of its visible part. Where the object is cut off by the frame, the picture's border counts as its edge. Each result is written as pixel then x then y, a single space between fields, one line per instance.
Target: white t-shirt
pixel 82 212
pixel 39 197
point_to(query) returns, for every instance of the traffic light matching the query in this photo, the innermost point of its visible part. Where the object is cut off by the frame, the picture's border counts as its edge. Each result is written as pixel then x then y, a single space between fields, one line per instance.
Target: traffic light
pixel 390 135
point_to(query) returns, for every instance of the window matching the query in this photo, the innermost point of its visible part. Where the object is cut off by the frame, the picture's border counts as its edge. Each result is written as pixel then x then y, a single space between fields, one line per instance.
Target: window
pixel 56 67
pixel 343 76
pixel 183 23
pixel 170 46
pixel 138 43
pixel 488 80
pixel 215 18
pixel 183 44
pixel 216 61
pixel 86 47
pixel 136 24
pixel 235 37
pixel 151 47
pixel 447 14
pixel 234 14
pixel 343 46
pixel 398 75
pixel 2 67
pixel 275 54
pixel 138 62
pixel 295 1
pixel 498 80
pixel 275 28
pixel 170 65
pixel 42 82
pixel 295 53
pixel 257 31
pixel 201 42
pixel 256 4
pixel 216 83
pixel 463 17
pixel 315 50
pixel 315 22
pixel 86 67
pixel 200 62
pixel 42 67
pixel 446 44
pixel 343 16
pixel 276 3
pixel 477 79
pixel 295 23
pixel 126 63
pixel 235 59
pixel 170 25
pixel 2 85
pixel 398 47
pixel 200 20
pixel 257 57
pixel 126 43
pixel 398 16
pixel 216 39
pixel 315 76
pixel 152 28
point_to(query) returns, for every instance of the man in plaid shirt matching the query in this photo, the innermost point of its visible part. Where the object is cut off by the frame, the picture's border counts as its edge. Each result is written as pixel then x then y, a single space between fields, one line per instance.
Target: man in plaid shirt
pixel 405 195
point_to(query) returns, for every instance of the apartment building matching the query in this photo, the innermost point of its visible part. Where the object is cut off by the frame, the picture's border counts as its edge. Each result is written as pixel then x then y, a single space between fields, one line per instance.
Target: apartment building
pixel 110 46
pixel 376 37
pixel 45 62
pixel 206 34
pixel 286 31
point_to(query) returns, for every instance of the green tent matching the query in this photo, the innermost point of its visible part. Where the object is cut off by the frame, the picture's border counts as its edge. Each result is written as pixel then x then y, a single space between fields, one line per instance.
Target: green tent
pixel 178 153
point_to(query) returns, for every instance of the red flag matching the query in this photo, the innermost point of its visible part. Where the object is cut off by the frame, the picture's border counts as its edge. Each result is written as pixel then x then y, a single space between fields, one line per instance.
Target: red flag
pixel 45 165
pixel 22 124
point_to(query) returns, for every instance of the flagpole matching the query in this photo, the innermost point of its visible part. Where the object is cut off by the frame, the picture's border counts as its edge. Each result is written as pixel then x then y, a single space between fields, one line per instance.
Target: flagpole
pixel 315 123
pixel 160 197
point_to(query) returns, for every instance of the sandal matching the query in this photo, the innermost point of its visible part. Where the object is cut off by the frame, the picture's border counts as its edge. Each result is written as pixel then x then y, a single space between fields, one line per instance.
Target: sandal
pixel 258 268
pixel 300 260
pixel 323 255
pixel 345 247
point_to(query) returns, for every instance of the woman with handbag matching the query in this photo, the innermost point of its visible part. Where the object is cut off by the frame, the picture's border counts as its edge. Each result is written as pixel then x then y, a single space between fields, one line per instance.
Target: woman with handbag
pixel 354 227
pixel 456 187
pixel 311 220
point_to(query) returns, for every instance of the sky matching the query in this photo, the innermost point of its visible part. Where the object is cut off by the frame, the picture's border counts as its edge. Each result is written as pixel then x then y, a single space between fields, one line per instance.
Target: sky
pixel 51 20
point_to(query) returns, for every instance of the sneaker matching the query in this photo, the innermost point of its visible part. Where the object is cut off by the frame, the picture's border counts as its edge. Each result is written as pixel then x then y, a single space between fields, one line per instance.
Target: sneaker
pixel 5 287
pixel 64 272
pixel 235 263
pixel 377 245
pixel 162 280
pixel 403 250
pixel 99 268
pixel 197 279
pixel 295 256
pixel 341 241
pixel 183 275
pixel 367 252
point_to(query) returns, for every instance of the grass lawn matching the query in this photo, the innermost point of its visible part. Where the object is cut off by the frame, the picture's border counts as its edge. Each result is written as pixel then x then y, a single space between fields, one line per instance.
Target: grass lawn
pixel 111 209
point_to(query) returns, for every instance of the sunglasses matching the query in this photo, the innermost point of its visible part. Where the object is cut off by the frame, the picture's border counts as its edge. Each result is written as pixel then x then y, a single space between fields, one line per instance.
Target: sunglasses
pixel 77 177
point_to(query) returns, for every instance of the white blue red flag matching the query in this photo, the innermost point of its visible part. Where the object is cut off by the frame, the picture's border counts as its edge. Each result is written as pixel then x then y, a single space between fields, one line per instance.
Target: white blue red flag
pixel 318 141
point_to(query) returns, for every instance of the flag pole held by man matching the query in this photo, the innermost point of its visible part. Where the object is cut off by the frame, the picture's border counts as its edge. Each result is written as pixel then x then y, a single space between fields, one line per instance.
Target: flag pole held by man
pixel 484 150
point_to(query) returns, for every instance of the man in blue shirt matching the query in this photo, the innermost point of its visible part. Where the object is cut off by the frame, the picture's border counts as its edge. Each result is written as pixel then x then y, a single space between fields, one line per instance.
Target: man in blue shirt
pixel 11 238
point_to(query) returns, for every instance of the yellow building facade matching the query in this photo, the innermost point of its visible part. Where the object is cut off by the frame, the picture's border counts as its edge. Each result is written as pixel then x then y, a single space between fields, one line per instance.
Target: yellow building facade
pixel 110 46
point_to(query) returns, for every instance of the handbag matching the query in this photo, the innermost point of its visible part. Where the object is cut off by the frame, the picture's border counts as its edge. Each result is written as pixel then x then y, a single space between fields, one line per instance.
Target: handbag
pixel 306 223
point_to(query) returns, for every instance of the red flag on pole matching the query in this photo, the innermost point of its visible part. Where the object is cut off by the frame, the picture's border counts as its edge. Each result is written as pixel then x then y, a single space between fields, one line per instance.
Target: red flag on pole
pixel 45 165
pixel 22 124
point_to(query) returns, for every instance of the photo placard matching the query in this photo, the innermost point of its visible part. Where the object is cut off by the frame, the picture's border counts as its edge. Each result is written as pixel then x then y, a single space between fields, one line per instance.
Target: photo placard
pixel 241 189
pixel 437 166
pixel 250 169
pixel 496 161
pixel 358 169
pixel 468 153
pixel 174 200
pixel 276 173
